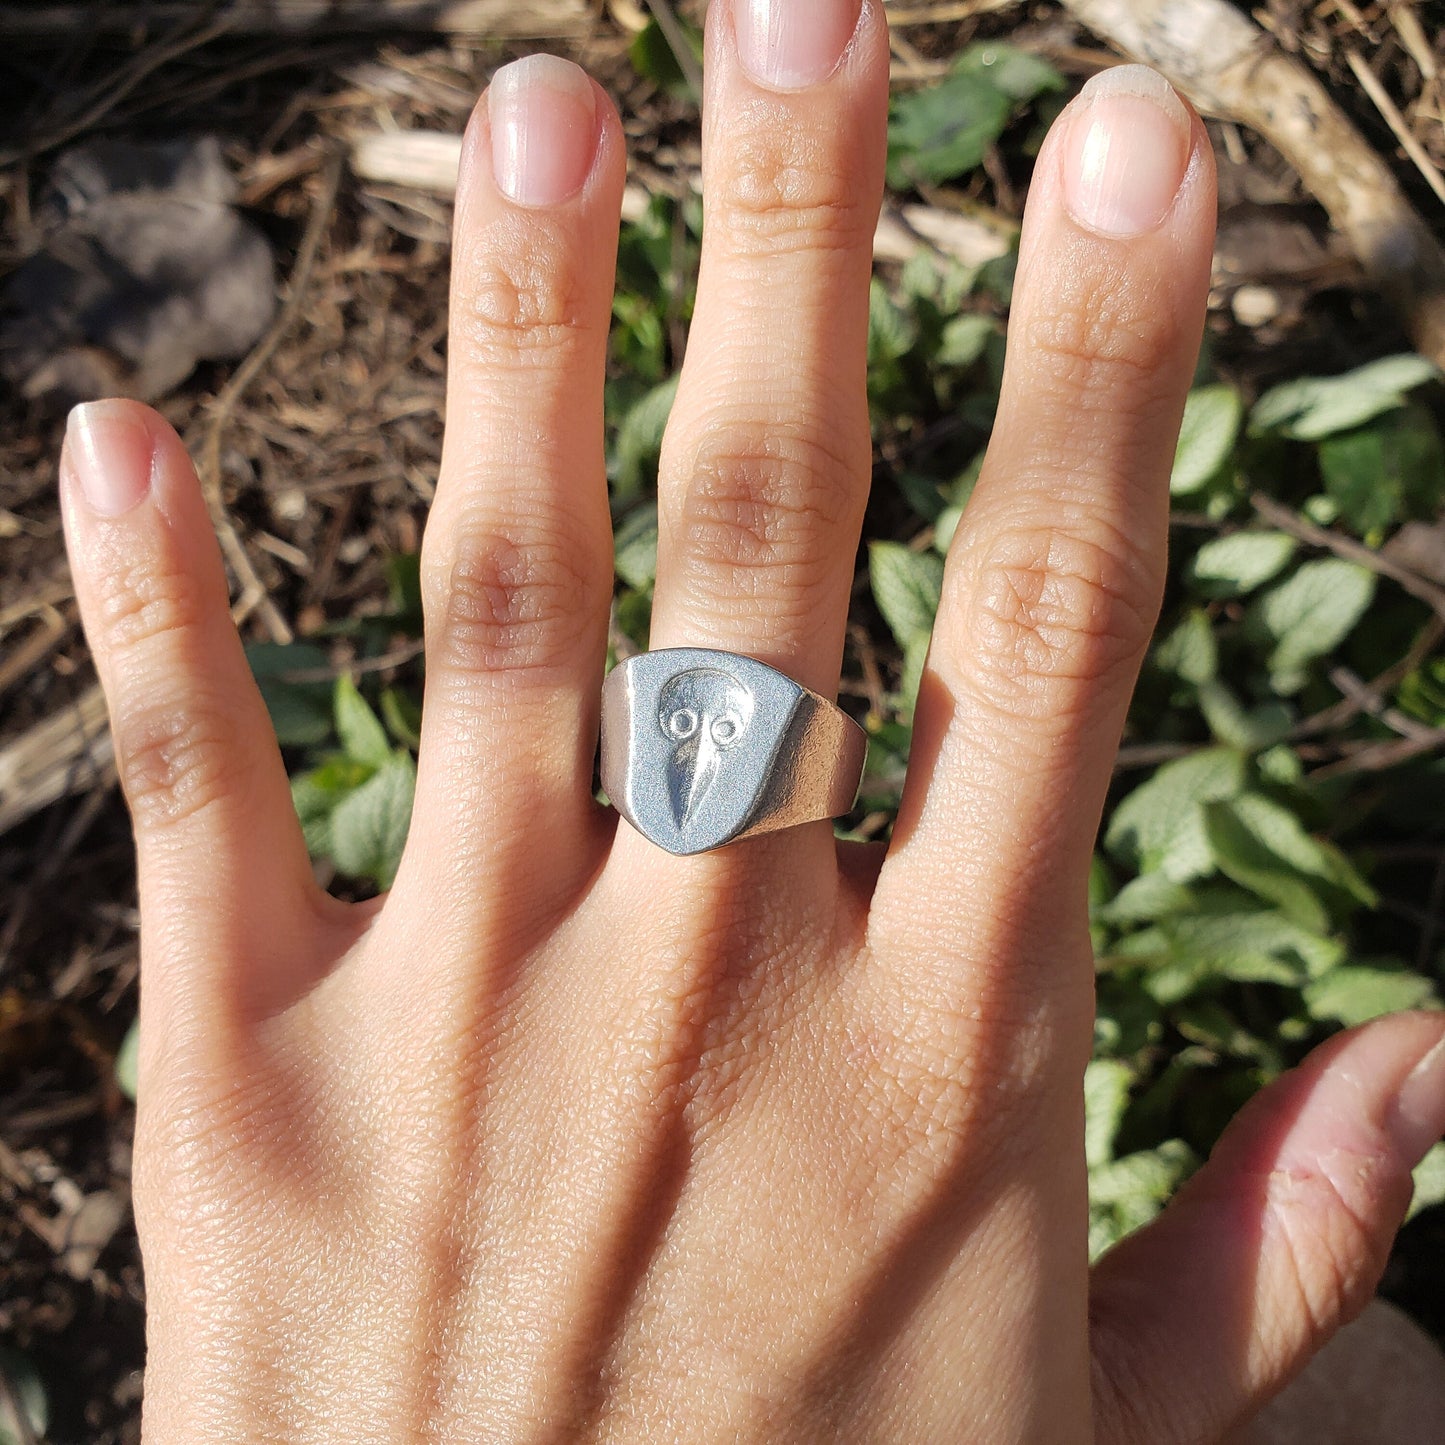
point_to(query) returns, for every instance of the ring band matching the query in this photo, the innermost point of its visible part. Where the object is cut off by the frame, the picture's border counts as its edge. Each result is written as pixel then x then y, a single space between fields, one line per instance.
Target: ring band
pixel 701 748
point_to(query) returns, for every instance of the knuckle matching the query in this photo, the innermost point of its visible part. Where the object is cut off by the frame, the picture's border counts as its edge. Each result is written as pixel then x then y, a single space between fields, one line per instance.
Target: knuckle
pixel 780 195
pixel 177 758
pixel 524 298
pixel 1099 338
pixel 504 601
pixel 1055 611
pixel 143 604
pixel 753 520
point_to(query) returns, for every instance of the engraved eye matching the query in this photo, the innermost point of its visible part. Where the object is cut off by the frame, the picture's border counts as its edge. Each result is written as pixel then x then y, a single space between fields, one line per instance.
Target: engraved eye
pixel 725 729
pixel 683 723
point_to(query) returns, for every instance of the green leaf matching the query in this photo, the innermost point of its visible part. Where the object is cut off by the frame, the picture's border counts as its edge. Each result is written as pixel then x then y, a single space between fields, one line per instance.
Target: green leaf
pixel 1143 899
pixel 1377 474
pixel 363 738
pixel 639 441
pixel 369 826
pixel 654 59
pixel 964 338
pixel 1106 1096
pixel 402 716
pixel 634 615
pixel 892 331
pixel 1249 729
pixel 915 656
pixel 1244 857
pixel 1429 1181
pixel 635 547
pixel 126 1060
pixel 1279 830
pixel 1161 823
pixel 924 494
pixel 403 586
pixel 1019 74
pixel 940 132
pixel 315 795
pixel 1238 563
pixel 1311 613
pixel 1353 994
pixel 906 586
pixel 1246 944
pixel 939 281
pixel 29 1393
pixel 1313 407
pixel 1190 650
pixel 1206 436
pixel 300 711
pixel 1127 1193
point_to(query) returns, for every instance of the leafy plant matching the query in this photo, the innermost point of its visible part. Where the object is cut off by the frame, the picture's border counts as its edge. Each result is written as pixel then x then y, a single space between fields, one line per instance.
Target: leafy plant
pixel 355 804
pixel 941 132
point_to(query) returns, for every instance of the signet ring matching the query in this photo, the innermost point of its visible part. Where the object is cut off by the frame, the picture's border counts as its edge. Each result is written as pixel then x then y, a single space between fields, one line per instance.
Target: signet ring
pixel 701 748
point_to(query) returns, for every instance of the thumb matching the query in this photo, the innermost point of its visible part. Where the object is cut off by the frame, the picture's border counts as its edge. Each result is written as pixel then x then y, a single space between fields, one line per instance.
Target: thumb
pixel 1203 1315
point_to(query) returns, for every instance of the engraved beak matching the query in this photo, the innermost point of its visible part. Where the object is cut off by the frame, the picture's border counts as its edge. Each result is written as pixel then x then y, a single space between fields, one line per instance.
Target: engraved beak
pixel 691 772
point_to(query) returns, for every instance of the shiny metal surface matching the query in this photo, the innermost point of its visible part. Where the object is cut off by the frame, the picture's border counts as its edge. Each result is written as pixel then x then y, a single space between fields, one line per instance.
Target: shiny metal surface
pixel 701 748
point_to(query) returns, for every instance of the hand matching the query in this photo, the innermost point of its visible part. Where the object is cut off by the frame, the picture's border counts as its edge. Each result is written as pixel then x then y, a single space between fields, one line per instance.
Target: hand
pixel 571 1139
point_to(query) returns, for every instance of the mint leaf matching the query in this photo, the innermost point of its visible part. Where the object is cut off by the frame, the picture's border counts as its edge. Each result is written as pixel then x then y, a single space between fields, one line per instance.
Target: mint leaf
pixel 1233 565
pixel 300 711
pixel 639 441
pixel 1353 994
pixel 635 547
pixel 1311 613
pixel 1190 651
pixel 1160 825
pixel 29 1394
pixel 906 586
pixel 1378 474
pixel 1429 1181
pixel 1249 729
pixel 1312 407
pixel 126 1063
pixel 1106 1095
pixel 940 132
pixel 363 738
pixel 369 826
pixel 1207 435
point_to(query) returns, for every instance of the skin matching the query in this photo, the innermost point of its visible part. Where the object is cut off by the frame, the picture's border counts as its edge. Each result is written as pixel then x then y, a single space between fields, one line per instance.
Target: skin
pixel 570 1139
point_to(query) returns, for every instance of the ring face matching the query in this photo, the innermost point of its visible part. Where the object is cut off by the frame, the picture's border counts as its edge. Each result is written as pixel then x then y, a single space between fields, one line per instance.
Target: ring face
pixel 701 747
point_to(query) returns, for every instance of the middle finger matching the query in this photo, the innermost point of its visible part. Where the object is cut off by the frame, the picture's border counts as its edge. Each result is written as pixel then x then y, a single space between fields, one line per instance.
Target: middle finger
pixel 765 468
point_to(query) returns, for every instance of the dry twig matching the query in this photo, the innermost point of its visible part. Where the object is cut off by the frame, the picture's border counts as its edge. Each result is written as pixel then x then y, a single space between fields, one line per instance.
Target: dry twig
pixel 1370 84
pixel 1287 520
pixel 253 592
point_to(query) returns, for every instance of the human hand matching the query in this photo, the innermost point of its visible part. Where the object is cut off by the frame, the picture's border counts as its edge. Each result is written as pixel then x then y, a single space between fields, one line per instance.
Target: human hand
pixel 777 1143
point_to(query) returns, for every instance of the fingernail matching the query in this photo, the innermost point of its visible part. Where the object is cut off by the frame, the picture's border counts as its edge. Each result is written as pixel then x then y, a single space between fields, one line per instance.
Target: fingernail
pixel 1419 1117
pixel 108 450
pixel 1126 151
pixel 544 129
pixel 787 44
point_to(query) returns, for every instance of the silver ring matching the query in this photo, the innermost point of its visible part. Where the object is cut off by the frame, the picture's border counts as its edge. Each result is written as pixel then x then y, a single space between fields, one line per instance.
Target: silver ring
pixel 701 748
